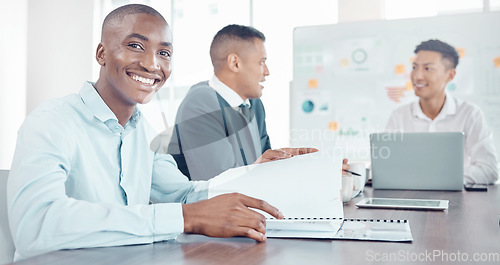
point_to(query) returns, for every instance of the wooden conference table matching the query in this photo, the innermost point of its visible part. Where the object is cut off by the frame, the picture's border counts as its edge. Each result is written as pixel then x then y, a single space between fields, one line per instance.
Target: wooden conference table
pixel 469 229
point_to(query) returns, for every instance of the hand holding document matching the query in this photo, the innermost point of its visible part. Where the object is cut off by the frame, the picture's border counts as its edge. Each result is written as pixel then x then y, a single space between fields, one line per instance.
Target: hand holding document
pixel 306 189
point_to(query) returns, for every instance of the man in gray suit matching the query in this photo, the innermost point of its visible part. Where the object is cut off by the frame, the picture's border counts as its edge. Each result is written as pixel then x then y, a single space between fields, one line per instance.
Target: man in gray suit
pixel 221 122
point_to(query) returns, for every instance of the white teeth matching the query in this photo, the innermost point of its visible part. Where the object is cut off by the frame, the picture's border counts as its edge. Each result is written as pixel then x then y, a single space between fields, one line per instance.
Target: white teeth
pixel 144 80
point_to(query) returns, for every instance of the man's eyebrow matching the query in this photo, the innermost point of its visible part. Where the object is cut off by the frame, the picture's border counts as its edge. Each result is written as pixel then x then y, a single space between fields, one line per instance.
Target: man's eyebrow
pixel 138 36
pixel 423 63
pixel 144 38
pixel 166 44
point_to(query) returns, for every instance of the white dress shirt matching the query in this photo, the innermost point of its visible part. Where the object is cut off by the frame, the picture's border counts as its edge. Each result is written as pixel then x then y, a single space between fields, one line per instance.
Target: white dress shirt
pixel 480 163
pixel 79 179
pixel 233 99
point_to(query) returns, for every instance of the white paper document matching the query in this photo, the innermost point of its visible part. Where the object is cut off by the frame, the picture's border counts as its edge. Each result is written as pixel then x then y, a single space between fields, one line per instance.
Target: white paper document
pixel 305 188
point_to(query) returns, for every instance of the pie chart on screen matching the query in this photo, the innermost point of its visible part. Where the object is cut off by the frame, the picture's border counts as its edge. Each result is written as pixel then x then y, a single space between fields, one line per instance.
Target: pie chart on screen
pixel 308 106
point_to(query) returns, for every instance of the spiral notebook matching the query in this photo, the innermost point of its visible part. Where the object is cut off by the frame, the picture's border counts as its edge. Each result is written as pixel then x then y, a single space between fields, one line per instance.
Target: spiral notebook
pixel 355 229
pixel 307 190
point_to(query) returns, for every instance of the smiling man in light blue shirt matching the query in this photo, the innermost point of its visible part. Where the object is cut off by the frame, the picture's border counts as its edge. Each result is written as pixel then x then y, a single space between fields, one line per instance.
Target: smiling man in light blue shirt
pixel 83 174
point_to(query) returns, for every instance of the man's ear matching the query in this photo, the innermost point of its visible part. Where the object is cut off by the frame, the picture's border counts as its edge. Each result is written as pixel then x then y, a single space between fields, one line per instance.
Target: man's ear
pixel 233 62
pixel 451 74
pixel 99 54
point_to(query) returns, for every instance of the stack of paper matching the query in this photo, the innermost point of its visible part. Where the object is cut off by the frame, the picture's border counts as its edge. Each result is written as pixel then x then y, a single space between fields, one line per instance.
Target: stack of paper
pixel 305 188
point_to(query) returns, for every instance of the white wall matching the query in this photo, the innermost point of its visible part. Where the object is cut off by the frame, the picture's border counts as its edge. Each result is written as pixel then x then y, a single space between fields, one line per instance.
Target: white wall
pixel 279 44
pixel 60 48
pixel 46 51
pixel 13 25
pixel 360 10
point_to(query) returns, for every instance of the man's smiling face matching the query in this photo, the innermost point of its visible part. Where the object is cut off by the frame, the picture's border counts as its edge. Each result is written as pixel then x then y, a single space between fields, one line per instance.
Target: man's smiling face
pixel 430 74
pixel 135 55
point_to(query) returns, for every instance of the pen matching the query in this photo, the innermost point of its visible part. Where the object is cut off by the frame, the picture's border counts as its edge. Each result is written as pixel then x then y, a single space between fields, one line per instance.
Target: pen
pixel 354 173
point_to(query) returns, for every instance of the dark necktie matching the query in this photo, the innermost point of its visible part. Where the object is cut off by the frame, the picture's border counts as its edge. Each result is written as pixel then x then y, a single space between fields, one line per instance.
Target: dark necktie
pixel 246 112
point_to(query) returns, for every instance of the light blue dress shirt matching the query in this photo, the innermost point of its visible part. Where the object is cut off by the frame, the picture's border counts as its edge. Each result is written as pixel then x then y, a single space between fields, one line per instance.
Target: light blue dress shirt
pixel 79 179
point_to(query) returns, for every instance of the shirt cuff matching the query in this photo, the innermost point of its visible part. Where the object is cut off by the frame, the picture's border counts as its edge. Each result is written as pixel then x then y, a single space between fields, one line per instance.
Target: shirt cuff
pixel 168 219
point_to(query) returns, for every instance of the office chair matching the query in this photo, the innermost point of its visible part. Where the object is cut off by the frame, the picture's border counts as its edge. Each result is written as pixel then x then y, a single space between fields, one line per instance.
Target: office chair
pixel 6 243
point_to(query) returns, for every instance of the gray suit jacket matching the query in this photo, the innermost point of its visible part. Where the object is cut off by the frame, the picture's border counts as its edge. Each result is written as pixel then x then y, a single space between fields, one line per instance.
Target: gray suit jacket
pixel 211 137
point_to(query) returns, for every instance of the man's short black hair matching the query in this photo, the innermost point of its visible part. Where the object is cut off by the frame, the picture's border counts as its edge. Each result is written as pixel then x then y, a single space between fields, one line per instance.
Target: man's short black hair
pixel 229 38
pixel 118 14
pixel 239 31
pixel 446 50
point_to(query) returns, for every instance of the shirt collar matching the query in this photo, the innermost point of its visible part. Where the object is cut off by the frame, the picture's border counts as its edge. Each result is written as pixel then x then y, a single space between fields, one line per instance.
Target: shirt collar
pixel 227 93
pixel 101 111
pixel 449 108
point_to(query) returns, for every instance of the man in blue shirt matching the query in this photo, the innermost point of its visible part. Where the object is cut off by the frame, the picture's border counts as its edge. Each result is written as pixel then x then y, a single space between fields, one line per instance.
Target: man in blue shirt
pixel 83 174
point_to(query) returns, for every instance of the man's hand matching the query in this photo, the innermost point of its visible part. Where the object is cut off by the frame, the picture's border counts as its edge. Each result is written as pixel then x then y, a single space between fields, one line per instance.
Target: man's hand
pixel 345 166
pixel 273 155
pixel 228 215
pixel 299 151
pixel 283 153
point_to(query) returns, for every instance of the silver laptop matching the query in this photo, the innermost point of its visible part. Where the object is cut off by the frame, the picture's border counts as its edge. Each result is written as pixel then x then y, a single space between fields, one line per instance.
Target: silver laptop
pixel 417 161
